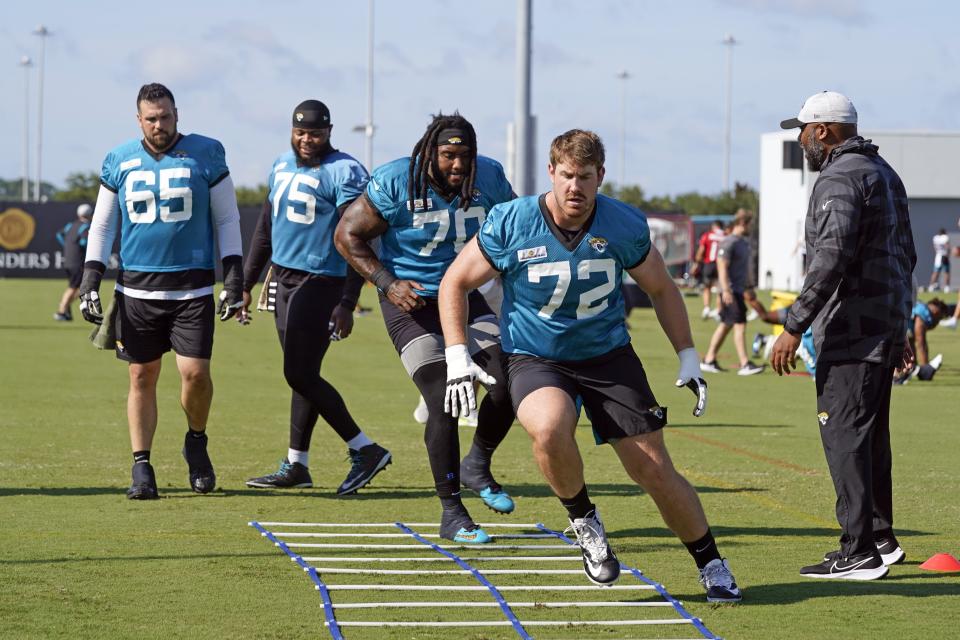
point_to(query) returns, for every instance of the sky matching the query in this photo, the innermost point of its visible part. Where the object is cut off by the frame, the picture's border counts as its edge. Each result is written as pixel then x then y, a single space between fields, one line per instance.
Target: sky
pixel 238 68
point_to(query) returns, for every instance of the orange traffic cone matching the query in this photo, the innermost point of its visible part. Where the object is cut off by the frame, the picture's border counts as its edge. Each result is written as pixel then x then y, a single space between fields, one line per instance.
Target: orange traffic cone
pixel 941 562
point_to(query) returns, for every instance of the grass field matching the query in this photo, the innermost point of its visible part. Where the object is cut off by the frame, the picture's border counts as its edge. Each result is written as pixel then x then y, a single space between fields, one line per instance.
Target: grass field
pixel 78 560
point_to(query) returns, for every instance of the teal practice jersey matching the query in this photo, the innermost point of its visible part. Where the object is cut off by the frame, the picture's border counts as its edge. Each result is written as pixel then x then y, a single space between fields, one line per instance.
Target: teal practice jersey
pixel 561 298
pixel 166 223
pixel 305 202
pixel 419 245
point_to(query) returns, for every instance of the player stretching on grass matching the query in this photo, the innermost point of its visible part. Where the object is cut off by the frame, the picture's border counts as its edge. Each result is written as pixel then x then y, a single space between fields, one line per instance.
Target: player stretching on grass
pixel 424 208
pixel 169 194
pixel 561 257
pixel 310 186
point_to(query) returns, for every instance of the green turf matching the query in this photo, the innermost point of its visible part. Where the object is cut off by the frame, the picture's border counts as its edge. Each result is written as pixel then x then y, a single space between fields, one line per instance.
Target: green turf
pixel 79 560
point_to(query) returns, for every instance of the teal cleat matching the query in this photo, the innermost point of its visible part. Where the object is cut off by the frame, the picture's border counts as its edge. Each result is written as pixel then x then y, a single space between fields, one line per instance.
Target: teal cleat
pixel 497 500
pixel 457 525
pixel 475 475
pixel 476 536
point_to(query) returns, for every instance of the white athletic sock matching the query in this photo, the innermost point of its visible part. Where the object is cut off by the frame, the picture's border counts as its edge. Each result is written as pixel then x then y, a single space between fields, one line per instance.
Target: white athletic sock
pixel 359 441
pixel 303 457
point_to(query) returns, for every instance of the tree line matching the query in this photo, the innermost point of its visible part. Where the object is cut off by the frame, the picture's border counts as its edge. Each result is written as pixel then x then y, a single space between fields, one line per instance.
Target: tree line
pixel 83 187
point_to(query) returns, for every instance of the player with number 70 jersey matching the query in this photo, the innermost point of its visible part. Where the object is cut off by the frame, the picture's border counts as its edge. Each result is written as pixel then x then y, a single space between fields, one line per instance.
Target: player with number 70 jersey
pixel 423 240
pixel 424 209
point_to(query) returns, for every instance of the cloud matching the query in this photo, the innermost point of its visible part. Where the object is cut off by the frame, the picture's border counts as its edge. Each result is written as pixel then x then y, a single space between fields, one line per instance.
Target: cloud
pixel 846 11
pixel 181 67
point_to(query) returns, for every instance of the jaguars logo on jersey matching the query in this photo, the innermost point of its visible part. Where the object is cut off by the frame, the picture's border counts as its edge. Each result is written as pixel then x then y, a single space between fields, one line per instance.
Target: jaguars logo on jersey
pixel 599 244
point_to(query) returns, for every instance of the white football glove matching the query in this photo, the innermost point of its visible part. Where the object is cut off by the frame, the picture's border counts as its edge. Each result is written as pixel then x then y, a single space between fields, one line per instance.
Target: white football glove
pixel 462 371
pixel 689 377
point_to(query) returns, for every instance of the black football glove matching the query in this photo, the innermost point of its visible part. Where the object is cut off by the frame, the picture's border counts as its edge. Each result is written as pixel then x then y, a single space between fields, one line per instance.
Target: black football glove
pixel 231 298
pixel 90 306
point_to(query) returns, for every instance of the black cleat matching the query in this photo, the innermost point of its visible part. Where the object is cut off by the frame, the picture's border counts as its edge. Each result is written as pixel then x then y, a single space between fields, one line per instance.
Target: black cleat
pixel 366 463
pixel 144 486
pixel 599 562
pixel 202 477
pixel 890 551
pixel 290 475
pixel 866 566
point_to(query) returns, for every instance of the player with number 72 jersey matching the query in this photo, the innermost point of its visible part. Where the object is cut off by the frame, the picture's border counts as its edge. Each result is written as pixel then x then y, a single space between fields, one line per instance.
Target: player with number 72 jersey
pixel 421 243
pixel 561 295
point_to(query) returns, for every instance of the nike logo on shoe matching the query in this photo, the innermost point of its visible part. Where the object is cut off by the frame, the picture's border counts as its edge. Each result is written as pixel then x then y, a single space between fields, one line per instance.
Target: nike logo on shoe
pixel 883 544
pixel 850 567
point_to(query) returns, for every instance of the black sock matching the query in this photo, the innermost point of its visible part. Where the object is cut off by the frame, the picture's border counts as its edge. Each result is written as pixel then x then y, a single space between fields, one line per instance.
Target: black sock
pixel 451 502
pixel 196 434
pixel 579 505
pixel 480 453
pixel 703 550
pixel 141 456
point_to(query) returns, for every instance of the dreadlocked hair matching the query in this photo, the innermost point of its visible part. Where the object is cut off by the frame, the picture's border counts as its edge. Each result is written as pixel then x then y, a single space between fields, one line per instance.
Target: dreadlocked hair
pixel 423 158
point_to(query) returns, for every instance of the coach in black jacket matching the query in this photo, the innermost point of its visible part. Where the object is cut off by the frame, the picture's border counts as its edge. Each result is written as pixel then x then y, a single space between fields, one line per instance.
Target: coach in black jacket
pixel 857 295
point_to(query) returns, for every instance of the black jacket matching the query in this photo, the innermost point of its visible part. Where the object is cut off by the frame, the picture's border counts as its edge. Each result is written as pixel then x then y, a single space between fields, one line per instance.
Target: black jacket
pixel 857 293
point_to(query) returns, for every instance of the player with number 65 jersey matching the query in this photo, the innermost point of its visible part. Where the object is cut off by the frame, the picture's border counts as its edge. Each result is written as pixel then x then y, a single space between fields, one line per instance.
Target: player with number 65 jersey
pixel 169 194
pixel 424 209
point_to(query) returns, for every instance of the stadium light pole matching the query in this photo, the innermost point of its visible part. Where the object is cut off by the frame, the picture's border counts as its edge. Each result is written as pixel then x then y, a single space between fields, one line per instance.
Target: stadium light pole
pixel 521 116
pixel 623 76
pixel 26 63
pixel 367 128
pixel 368 150
pixel 729 42
pixel 43 32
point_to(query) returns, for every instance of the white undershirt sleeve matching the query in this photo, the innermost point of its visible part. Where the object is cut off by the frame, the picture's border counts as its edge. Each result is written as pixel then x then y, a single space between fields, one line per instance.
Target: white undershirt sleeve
pixel 226 217
pixel 103 226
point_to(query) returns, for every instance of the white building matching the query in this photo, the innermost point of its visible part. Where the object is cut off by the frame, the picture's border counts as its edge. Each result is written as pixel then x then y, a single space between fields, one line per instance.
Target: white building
pixel 927 164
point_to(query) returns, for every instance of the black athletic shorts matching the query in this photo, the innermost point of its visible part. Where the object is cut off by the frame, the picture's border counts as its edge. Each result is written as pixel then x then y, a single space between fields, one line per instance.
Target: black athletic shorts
pixel 614 389
pixel 418 337
pixel 709 272
pixel 74 276
pixel 735 313
pixel 146 329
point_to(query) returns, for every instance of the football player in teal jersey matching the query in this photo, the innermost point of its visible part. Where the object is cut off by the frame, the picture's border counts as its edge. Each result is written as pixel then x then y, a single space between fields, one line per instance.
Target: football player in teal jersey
pixel 169 194
pixel 561 257
pixel 424 208
pixel 310 186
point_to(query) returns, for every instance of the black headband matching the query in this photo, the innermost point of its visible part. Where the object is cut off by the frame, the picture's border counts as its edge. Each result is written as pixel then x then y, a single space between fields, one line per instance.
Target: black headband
pixel 453 135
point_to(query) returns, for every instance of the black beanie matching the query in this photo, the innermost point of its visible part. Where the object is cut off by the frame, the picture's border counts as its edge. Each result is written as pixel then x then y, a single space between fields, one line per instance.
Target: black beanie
pixel 311 114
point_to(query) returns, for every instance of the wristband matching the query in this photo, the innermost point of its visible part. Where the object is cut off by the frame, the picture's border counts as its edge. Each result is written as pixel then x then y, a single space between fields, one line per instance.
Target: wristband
pixel 382 279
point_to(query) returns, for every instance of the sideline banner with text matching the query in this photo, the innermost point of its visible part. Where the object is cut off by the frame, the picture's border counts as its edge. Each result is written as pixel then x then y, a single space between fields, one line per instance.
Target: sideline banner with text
pixel 28 237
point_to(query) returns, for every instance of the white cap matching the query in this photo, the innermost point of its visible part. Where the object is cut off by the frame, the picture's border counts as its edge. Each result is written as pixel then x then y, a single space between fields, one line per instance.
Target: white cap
pixel 826 106
pixel 84 211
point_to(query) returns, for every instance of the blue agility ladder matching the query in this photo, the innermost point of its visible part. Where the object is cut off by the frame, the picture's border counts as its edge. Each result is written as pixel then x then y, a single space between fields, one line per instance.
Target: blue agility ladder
pixel 414 540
